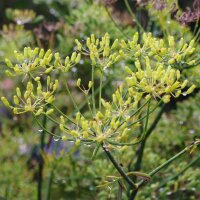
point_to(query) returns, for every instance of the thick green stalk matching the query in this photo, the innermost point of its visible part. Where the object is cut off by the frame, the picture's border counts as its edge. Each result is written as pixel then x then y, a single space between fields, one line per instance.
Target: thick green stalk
pixel 148 132
pixel 93 92
pixel 193 162
pixel 41 162
pixel 165 164
pixel 100 90
pixel 69 93
pixel 43 128
pixel 133 15
pixel 51 176
pixel 143 143
pixel 119 168
pixel 156 170
pixel 49 184
pixel 114 22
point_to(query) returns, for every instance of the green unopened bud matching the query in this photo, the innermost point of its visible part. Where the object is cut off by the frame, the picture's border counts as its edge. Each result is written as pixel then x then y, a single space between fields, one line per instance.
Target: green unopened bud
pixel 171 41
pixel 18 92
pixel 135 37
pixel 5 101
pixel 181 43
pixel 123 44
pixel 37 78
pixel 47 54
pixel 192 62
pixel 158 58
pixel 114 98
pixel 15 110
pixel 8 73
pixel 73 57
pixel 74 133
pixel 191 89
pixel 128 70
pixel 78 116
pixel 50 99
pixel 61 126
pixel 62 119
pixel 166 98
pixel 39 112
pixel 137 64
pixel 88 42
pixel 171 61
pixel 63 138
pixel 50 111
pixel 78 58
pixel 78 142
pixel 184 47
pixel 79 45
pixel 78 83
pixel 178 93
pixel 178 74
pixel 106 51
pixel 121 53
pixel 117 58
pixel 99 115
pixel 66 60
pixel 8 63
pixel 191 51
pixel 26 94
pixel 35 51
pixel 47 71
pixel 25 52
pixel 41 54
pixel 55 85
pixel 92 38
pixel 16 100
pixel 115 44
pixel 191 44
pixel 90 84
pixel 184 84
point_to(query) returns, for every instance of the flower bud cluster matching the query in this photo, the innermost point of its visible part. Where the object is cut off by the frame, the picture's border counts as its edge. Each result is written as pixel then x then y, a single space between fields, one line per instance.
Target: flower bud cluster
pixel 153 77
pixel 114 121
pixel 34 99
pixel 156 82
pixel 21 16
pixel 102 53
pixel 169 53
pixel 39 62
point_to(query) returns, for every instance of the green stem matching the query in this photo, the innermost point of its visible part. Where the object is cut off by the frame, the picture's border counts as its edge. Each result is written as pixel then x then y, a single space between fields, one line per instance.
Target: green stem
pixel 138 140
pixel 88 101
pixel 41 162
pixel 51 176
pixel 70 95
pixel 96 91
pixel 119 168
pixel 49 183
pixel 100 90
pixel 43 128
pixel 193 162
pixel 148 132
pixel 134 113
pixel 156 170
pixel 60 112
pixel 113 21
pixel 93 92
pixel 143 143
pixel 133 15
